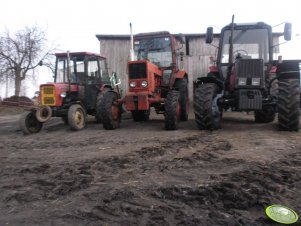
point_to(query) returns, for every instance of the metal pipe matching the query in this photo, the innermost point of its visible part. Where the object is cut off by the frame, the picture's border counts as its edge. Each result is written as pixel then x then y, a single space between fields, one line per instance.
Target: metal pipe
pixel 132 44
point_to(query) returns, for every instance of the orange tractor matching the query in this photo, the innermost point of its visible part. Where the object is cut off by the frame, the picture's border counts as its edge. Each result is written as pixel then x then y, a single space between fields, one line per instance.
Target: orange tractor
pixel 80 80
pixel 154 79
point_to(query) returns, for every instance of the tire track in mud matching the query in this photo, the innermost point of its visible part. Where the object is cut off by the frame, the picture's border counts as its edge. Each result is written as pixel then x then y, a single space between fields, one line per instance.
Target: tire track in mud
pixel 229 199
pixel 189 181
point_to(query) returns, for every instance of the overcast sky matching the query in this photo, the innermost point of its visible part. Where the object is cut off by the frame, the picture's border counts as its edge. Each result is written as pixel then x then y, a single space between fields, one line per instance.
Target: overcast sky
pixel 73 24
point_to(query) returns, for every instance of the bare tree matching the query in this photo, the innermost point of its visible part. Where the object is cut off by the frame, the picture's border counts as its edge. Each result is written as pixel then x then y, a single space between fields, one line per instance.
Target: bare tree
pixel 21 53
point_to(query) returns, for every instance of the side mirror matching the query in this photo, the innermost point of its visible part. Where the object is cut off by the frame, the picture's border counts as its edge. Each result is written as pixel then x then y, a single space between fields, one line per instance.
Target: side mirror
pixel 287 31
pixel 209 35
pixel 181 38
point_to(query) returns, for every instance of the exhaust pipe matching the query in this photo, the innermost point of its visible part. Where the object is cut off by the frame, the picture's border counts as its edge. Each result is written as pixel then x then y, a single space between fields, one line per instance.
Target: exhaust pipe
pixel 132 44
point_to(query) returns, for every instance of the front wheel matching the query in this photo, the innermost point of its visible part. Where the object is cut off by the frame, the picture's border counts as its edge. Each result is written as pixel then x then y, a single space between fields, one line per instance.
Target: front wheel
pixel 172 110
pixel 29 123
pixel 288 104
pixel 182 85
pixel 110 111
pixel 99 99
pixel 207 113
pixel 76 117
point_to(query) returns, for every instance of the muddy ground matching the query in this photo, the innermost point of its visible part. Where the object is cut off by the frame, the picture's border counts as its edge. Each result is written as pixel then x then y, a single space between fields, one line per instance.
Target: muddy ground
pixel 143 175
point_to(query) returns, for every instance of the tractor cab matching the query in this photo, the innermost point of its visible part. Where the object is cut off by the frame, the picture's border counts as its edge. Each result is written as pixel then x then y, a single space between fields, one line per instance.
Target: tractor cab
pixel 85 71
pixel 80 68
pixel 157 50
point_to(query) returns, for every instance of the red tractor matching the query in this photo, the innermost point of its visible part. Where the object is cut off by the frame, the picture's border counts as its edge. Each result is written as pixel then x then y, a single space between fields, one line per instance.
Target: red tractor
pixel 155 80
pixel 246 78
pixel 80 80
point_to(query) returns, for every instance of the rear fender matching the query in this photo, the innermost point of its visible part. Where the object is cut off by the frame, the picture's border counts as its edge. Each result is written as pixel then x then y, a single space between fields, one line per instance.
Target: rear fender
pixel 288 69
pixel 181 74
pixel 210 79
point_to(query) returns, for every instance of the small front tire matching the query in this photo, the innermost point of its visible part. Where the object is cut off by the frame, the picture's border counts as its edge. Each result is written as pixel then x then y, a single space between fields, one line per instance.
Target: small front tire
pixel 29 123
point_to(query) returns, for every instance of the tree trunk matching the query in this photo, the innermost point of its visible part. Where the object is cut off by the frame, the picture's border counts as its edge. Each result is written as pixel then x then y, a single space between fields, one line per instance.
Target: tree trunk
pixel 18 80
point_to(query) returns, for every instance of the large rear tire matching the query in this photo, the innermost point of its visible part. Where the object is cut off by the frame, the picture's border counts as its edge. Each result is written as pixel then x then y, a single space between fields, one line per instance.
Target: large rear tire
pixel 207 113
pixel 181 85
pixel 29 123
pixel 139 116
pixel 99 99
pixel 172 110
pixel 76 117
pixel 288 104
pixel 110 111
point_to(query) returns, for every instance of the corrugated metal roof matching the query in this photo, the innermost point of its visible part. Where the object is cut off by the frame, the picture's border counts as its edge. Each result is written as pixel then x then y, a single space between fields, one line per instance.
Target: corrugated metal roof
pixel 189 35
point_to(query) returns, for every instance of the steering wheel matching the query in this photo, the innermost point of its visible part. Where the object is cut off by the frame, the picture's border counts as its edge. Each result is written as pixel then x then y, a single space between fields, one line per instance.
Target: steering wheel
pixel 238 52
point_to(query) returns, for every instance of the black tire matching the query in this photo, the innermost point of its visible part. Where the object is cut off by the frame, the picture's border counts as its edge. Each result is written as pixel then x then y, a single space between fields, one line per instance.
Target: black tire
pixel 172 110
pixel 182 86
pixel 99 98
pixel 207 114
pixel 29 123
pixel 76 117
pixel 110 111
pixel 266 115
pixel 139 116
pixel 288 104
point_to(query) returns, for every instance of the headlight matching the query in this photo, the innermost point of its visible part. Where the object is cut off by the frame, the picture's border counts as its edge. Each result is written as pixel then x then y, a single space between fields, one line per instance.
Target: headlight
pixel 63 94
pixel 255 81
pixel 144 84
pixel 132 84
pixel 242 81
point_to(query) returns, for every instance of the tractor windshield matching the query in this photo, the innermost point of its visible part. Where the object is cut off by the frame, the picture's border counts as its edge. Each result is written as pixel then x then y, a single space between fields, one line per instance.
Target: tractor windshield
pixel 62 70
pixel 84 70
pixel 247 44
pixel 156 50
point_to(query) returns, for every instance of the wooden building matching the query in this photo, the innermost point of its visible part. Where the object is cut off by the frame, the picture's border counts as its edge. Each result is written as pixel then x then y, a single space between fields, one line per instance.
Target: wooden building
pixel 196 60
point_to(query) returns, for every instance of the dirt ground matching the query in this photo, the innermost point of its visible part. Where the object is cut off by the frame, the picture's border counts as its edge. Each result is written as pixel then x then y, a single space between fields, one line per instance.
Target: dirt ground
pixel 141 174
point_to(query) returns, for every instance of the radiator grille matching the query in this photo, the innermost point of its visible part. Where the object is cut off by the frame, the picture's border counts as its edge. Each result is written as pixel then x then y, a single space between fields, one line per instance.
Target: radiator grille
pixel 48 95
pixel 137 70
pixel 246 68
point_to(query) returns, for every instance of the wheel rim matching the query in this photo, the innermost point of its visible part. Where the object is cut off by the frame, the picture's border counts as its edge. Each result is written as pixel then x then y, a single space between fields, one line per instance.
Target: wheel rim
pixel 79 118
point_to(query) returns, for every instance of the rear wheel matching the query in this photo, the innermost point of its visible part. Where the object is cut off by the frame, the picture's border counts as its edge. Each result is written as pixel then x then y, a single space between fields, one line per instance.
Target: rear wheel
pixel 172 110
pixel 266 115
pixel 139 116
pixel 110 111
pixel 98 105
pixel 29 123
pixel 182 84
pixel 289 104
pixel 76 117
pixel 207 113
